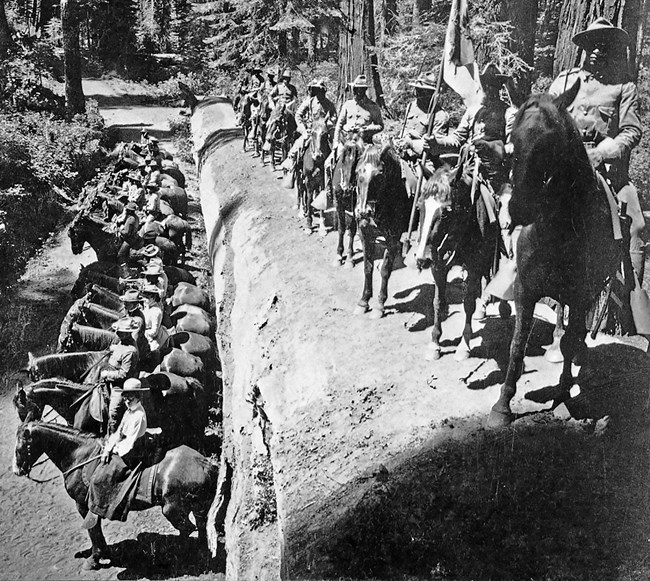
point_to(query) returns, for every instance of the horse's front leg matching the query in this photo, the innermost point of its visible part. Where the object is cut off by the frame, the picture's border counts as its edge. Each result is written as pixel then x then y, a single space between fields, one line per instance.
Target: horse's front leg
pixel 367 245
pixel 472 292
pixel 501 414
pixel 554 351
pixel 386 270
pixel 439 272
pixel 349 260
pixel 340 230
pixel 99 547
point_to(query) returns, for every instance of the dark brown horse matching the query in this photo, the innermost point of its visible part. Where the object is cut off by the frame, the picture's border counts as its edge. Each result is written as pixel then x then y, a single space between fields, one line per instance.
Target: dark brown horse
pixel 566 249
pixel 382 209
pixel 184 482
pixel 344 182
pixel 310 180
pixel 280 134
pixel 454 229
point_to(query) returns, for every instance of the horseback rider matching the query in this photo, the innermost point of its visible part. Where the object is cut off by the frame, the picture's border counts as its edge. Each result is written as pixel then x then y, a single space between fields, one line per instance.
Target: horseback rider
pixel 152 203
pixel 483 133
pixel 123 363
pixel 155 332
pixel 128 223
pixel 283 97
pixel 605 111
pixel 270 82
pixel 124 450
pixel 416 125
pixel 155 275
pixel 358 116
pixel 132 301
pixel 316 106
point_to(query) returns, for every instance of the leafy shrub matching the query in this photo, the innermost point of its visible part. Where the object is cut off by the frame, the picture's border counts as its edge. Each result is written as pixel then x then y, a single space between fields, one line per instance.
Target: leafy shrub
pixel 182 138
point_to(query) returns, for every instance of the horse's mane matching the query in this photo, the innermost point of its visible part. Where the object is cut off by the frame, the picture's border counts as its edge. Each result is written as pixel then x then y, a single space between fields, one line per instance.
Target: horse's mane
pixel 95 308
pixel 382 154
pixel 438 186
pixel 56 383
pixel 60 429
pixel 87 333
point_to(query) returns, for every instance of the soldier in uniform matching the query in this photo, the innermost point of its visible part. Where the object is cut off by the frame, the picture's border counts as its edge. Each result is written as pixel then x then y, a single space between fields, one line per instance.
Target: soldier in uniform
pixel 316 106
pixel 358 116
pixel 284 93
pixel 128 224
pixel 270 82
pixel 605 111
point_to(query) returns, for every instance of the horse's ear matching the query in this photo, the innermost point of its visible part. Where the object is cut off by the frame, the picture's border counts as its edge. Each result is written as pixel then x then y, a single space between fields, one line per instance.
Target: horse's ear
pixel 30 360
pixel 565 99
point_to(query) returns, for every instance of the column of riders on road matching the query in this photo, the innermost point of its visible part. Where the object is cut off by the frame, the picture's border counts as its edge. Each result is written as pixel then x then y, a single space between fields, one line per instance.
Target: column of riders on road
pixel 605 111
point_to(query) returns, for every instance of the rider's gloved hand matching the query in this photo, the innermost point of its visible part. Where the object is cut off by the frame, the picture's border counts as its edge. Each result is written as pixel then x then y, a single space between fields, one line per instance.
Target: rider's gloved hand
pixel 595 157
pixel 106 456
pixel 428 142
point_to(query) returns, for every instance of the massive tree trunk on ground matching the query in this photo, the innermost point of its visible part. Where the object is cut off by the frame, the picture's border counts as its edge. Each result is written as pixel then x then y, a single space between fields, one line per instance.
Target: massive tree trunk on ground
pixel 357 53
pixel 576 15
pixel 74 95
pixel 5 32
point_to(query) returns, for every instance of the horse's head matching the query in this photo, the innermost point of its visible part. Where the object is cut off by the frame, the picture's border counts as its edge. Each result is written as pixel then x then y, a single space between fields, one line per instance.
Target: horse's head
pixel 32 367
pixel 25 453
pixel 319 143
pixel 434 201
pixel 348 165
pixel 77 233
pixel 549 159
pixel 28 410
pixel 371 180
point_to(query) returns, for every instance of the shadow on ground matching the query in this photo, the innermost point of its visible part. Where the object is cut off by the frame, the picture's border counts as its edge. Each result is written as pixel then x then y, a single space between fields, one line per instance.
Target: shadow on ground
pixel 544 500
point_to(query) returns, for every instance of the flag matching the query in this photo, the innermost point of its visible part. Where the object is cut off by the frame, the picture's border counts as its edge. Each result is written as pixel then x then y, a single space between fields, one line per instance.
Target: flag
pixel 460 70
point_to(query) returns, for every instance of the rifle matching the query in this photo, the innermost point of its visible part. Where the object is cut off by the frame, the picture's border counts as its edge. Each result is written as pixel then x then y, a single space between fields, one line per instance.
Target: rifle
pixel 433 105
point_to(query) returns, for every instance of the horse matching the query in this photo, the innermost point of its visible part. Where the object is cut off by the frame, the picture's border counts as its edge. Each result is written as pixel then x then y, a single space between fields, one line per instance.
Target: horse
pixel 184 481
pixel 454 229
pixel 106 244
pixel 189 294
pixel 345 199
pixel 194 319
pixel 248 109
pixel 83 367
pixel 280 132
pixel 566 249
pixel 177 405
pixel 179 232
pixel 105 274
pixel 104 297
pixel 75 337
pixel 176 197
pixel 311 177
pixel 382 209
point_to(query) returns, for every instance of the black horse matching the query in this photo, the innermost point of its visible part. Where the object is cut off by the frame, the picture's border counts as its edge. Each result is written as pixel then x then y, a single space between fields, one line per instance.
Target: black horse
pixel 311 175
pixel 566 249
pixel 280 134
pixel 344 186
pixel 454 229
pixel 382 209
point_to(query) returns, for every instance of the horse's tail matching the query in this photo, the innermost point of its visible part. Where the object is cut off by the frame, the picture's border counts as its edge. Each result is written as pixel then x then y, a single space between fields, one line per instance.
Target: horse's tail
pixel 188 237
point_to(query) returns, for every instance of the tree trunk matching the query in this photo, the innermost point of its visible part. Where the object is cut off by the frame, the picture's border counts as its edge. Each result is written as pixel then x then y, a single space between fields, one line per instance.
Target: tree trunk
pixel 357 52
pixel 420 7
pixel 522 15
pixel 6 41
pixel 548 17
pixel 74 96
pixel 576 15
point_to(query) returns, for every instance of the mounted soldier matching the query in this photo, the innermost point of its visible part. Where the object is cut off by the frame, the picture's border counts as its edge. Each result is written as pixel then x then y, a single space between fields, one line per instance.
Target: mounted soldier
pixel 128 224
pixel 155 333
pixel 359 116
pixel 606 113
pixel 412 143
pixel 284 93
pixel 270 82
pixel 316 106
pixel 124 451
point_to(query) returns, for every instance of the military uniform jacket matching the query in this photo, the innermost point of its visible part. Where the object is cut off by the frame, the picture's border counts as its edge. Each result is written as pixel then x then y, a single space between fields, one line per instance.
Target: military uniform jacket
pixel 417 124
pixel 604 109
pixel 312 109
pixel 366 115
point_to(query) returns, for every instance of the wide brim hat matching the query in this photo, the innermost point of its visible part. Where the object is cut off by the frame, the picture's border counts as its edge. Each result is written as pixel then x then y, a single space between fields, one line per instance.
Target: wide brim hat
pixel 286 74
pixel 149 232
pixel 153 270
pixel 151 289
pixel 359 83
pixel 131 207
pixel 144 131
pixel 131 385
pixel 125 325
pixel 151 250
pixel 131 296
pixel 317 84
pixel 428 81
pixel 601 30
pixel 492 75
pixel 135 177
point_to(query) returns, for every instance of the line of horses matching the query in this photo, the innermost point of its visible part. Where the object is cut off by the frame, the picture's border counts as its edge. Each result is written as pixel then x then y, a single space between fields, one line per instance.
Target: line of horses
pixel 565 250
pixel 183 378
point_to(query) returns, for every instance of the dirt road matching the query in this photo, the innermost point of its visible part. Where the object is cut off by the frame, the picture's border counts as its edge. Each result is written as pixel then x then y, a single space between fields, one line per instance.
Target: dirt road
pixel 39 525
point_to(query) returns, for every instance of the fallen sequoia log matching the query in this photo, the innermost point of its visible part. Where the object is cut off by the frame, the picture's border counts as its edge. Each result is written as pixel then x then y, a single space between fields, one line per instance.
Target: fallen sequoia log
pixel 344 452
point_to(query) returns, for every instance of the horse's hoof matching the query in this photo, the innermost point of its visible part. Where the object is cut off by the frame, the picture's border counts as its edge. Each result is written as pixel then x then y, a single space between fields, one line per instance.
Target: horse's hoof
pixel 322 232
pixel 376 314
pixel 432 353
pixel 338 261
pixel 91 564
pixel 349 264
pixel 361 309
pixel 307 230
pixel 461 354
pixel 554 355
pixel 505 310
pixel 499 419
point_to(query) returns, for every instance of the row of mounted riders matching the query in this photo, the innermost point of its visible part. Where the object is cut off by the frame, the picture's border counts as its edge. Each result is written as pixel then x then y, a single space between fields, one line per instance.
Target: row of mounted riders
pixel 170 341
pixel 556 215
